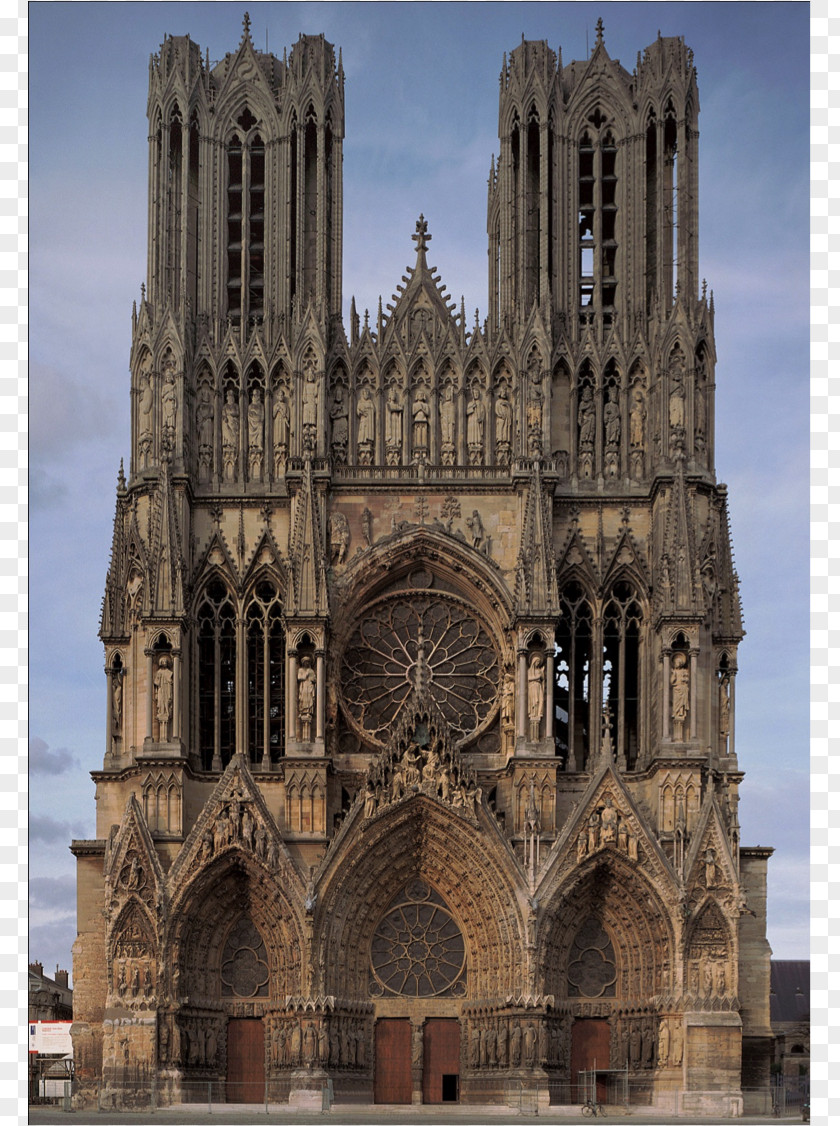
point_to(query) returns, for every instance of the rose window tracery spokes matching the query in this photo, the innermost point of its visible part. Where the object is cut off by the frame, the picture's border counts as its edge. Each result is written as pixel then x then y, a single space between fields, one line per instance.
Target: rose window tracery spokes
pixel 418 949
pixel 379 666
pixel 592 971
pixel 244 962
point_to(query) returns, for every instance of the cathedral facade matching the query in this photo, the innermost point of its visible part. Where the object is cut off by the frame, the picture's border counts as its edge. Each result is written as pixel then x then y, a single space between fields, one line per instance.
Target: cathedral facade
pixel 421 633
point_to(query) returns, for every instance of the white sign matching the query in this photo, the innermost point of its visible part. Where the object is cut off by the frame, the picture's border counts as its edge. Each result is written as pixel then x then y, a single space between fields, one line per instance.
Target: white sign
pixel 50 1037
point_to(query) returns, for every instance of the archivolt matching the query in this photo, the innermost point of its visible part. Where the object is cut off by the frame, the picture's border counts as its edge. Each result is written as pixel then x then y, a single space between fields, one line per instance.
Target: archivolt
pixel 420 840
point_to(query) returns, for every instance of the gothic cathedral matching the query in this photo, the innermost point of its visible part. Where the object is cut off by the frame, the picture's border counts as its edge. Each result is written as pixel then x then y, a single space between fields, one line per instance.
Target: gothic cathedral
pixel 421 633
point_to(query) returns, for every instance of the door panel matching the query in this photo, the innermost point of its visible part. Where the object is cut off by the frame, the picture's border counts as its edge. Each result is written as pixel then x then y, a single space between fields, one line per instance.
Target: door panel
pixel 441 1060
pixel 392 1078
pixel 590 1049
pixel 245 1061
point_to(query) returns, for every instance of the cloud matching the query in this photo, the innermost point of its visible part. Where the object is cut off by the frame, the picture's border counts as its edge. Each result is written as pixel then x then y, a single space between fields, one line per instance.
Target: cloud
pixel 50 831
pixel 44 761
pixel 54 893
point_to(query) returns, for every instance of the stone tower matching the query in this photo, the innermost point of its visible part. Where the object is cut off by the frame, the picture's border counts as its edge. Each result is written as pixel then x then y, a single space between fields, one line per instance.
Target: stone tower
pixel 420 635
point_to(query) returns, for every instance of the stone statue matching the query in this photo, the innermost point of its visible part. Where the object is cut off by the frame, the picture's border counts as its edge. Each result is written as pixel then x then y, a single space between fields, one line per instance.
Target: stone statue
pixel 612 419
pixel 476 421
pixel 504 422
pixel 676 403
pixel 204 426
pixel 529 1043
pixel 367 527
pixel 116 702
pixel 725 706
pixel 677 1044
pixel 447 425
pixel 281 432
pixel 394 425
pixel 535 410
pixel 163 696
pixel 365 412
pixel 256 422
pixel 168 400
pixel 310 406
pixel 637 418
pixel 147 400
pixel 230 434
pixel 339 537
pixel 536 696
pixel 306 697
pixel 582 842
pixel 340 429
pixel 679 695
pixel 709 858
pixel 664 1043
pixel 515 1044
pixel 609 822
pixel 586 419
pixel 420 419
pixel 476 528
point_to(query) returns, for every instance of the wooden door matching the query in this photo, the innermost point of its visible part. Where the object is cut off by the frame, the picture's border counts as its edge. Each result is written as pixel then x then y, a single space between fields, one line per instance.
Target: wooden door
pixel 590 1050
pixel 392 1076
pixel 245 1061
pixel 441 1060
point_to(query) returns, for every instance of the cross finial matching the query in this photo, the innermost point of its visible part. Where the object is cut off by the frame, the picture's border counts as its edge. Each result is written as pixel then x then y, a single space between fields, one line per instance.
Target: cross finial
pixel 599 29
pixel 421 235
pixel 246 25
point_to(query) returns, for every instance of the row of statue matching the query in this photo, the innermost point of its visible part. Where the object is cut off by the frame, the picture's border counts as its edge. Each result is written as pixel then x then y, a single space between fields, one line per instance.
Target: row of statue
pixel 418 769
pixel 342 1044
pixel 606 827
pixel 235 824
pixel 135 982
pixel 510 1042
pixel 188 1042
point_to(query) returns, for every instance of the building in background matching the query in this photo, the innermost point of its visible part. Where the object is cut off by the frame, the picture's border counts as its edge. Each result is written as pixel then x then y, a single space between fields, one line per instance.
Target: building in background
pixel 790 1019
pixel 421 634
pixel 50 1048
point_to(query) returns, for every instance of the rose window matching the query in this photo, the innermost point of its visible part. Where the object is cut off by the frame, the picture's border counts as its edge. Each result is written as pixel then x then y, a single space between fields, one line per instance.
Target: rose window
pixel 418 949
pixel 379 666
pixel 244 963
pixel 592 971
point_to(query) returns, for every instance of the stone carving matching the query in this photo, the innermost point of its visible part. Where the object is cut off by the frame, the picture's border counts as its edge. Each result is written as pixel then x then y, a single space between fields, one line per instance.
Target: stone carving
pixel 116 701
pixel 664 1043
pixel 420 413
pixel 476 527
pixel 306 697
pixel 311 394
pixel 536 696
pixel 339 537
pixel 447 425
pixel 281 433
pixel 366 415
pixel 204 421
pixel 168 405
pixel 476 424
pixel 612 433
pixel 535 408
pixel 592 967
pixel 163 697
pixel 504 424
pixel 606 827
pixel 679 695
pixel 367 527
pixel 724 710
pixel 146 407
pixel 340 425
pixel 230 434
pixel 394 425
pixel 586 431
pixel 256 425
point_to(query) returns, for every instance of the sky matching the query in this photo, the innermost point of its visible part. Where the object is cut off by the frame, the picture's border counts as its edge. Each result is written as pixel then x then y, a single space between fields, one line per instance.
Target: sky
pixel 421 98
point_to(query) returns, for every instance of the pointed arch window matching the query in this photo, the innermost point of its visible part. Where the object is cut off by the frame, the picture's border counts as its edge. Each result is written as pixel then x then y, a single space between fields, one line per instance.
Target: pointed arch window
pixel 216 667
pixel 245 223
pixel 622 641
pixel 572 678
pixel 597 219
pixel 266 659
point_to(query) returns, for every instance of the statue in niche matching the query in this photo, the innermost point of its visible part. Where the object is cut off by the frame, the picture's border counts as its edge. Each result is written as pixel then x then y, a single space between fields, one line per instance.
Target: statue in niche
pixel 700 414
pixel 677 1044
pixel 116 701
pixel 393 425
pixel 609 822
pixel 365 412
pixel 507 706
pixel 367 527
pixel 339 537
pixel 447 425
pixel 679 695
pixel 612 419
pixel 310 406
pixel 340 428
pixel 664 1045
pixel 586 419
pixel 676 404
pixel 306 697
pixel 709 859
pixel 515 1044
pixel 721 978
pixel 476 423
pixel 163 696
pixel 536 696
pixel 256 424
pixel 168 404
pixel 204 426
pixel 420 420
pixel 725 706
pixel 476 528
pixel 504 423
pixel 230 433
pixel 637 418
pixel 281 432
pixel 147 399
pixel 534 413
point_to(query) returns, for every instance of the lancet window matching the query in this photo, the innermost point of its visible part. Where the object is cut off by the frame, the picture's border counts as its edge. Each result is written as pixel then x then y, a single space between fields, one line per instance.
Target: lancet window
pixel 245 222
pixel 597 218
pixel 266 677
pixel 622 640
pixel 573 677
pixel 216 685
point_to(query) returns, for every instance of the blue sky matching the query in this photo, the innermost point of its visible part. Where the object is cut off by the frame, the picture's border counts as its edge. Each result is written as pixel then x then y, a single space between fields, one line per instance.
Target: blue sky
pixel 421 126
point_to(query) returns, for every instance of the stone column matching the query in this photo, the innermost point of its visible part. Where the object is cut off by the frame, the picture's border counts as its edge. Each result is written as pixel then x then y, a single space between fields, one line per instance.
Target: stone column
pixel 692 718
pixel 549 696
pixel 320 694
pixel 176 695
pixel 109 709
pixel 732 710
pixel 150 690
pixel 522 696
pixel 666 696
pixel 240 742
pixel 293 693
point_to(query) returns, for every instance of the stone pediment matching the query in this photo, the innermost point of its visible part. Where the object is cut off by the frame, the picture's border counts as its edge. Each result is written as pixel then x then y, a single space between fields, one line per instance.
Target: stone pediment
pixel 421 302
pixel 709 868
pixel 234 819
pixel 132 868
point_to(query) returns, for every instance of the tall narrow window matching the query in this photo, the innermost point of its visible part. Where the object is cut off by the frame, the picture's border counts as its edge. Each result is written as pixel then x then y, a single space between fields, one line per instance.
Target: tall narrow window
pixel 216 677
pixel 532 211
pixel 651 225
pixel 622 628
pixel 266 662
pixel 174 212
pixel 597 219
pixel 573 665
pixel 246 223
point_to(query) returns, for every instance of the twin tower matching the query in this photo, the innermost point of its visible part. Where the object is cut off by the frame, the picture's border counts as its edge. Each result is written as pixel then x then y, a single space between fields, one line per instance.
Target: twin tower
pixel 421 633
